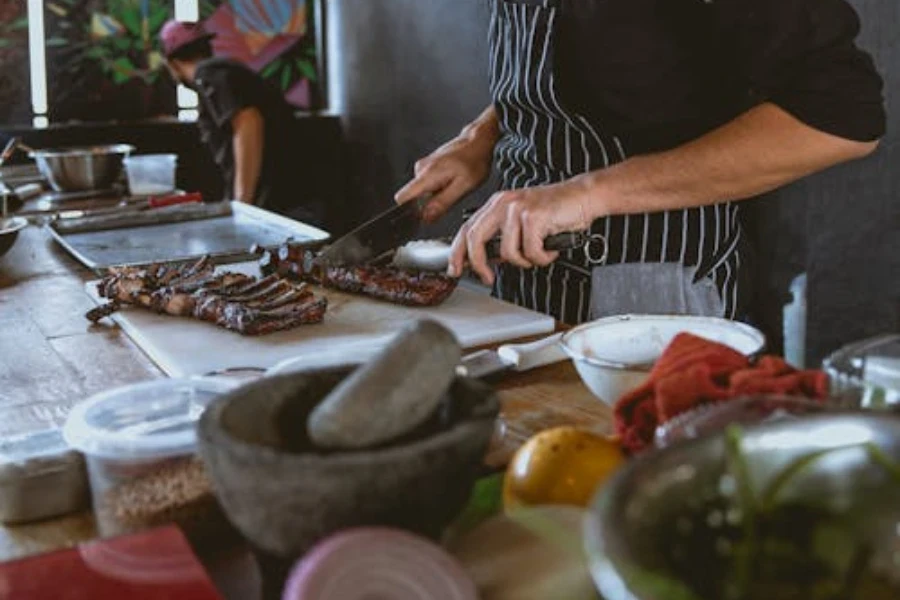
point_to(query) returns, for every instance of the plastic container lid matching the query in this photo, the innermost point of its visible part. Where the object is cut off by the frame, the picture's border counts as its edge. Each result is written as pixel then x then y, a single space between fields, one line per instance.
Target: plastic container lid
pixel 154 419
pixel 19 449
pixel 749 410
pixel 870 368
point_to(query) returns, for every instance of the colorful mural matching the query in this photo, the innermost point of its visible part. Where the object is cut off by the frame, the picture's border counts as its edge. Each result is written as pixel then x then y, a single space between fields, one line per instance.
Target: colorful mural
pixel 104 61
pixel 15 82
pixel 273 37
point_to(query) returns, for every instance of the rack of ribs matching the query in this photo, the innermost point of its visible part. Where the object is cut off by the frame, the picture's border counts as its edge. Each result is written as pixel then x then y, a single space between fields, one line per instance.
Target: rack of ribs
pixel 400 286
pixel 241 303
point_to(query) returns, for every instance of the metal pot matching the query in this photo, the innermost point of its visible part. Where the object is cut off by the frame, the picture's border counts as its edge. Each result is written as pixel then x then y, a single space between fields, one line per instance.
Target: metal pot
pixel 82 168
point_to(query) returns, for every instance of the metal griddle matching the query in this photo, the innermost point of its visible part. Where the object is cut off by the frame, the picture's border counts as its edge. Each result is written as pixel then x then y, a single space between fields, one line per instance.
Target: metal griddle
pixel 224 239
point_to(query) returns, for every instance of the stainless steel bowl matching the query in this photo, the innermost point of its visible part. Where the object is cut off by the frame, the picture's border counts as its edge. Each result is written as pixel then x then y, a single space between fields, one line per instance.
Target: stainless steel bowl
pixel 667 518
pixel 9 231
pixel 83 168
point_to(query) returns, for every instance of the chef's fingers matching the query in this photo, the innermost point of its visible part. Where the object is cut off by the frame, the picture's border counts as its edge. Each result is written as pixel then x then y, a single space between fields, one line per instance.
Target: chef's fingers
pixel 511 239
pixel 458 250
pixel 534 231
pixel 428 180
pixel 441 202
pixel 481 228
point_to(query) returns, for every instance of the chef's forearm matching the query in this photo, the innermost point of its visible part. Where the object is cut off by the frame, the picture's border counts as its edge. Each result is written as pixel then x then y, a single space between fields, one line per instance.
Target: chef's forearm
pixel 248 139
pixel 759 151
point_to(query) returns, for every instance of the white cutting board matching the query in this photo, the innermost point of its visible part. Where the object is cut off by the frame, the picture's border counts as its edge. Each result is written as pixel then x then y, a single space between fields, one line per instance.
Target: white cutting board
pixel 354 328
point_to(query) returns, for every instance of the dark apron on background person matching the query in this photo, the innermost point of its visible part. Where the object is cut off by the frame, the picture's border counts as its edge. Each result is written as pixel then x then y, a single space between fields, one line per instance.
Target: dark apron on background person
pixel 676 262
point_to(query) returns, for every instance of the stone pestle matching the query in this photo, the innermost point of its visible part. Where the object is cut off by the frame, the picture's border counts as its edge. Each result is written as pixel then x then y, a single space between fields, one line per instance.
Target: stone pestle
pixel 392 395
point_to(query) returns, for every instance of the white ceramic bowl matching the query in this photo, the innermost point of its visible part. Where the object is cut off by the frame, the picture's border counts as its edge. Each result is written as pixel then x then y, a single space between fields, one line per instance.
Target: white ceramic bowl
pixel 614 355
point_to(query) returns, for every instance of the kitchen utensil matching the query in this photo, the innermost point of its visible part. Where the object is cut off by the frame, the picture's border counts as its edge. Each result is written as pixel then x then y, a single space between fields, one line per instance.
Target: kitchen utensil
pixel 9 232
pixel 134 205
pixel 355 328
pixel 8 150
pixel 515 357
pixel 659 527
pixel 388 231
pixel 136 439
pixel 150 174
pixel 175 211
pixel 284 496
pixel 614 355
pixel 380 402
pixel 555 243
pixel 226 238
pixel 82 168
pixel 866 374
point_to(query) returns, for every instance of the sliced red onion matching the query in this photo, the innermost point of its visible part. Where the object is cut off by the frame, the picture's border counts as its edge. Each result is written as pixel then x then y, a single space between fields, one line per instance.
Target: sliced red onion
pixel 378 564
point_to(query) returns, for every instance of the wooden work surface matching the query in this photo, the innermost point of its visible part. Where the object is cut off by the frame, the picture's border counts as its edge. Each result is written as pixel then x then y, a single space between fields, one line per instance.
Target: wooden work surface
pixel 51 357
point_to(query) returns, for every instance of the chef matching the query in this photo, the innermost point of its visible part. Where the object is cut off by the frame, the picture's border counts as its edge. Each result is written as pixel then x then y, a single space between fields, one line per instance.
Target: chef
pixel 243 121
pixel 645 122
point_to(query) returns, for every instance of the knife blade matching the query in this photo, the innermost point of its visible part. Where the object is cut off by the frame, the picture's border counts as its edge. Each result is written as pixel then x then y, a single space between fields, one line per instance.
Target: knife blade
pixel 512 357
pixel 388 231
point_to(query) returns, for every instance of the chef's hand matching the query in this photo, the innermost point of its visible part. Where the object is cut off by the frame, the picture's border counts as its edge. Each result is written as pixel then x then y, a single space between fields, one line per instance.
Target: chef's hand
pixel 524 218
pixel 454 169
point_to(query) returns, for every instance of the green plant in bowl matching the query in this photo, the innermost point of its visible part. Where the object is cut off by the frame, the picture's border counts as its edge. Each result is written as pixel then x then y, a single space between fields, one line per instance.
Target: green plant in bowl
pixel 792 510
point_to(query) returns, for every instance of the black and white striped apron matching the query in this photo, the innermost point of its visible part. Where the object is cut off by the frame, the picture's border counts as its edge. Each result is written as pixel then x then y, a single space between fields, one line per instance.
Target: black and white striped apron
pixel 544 142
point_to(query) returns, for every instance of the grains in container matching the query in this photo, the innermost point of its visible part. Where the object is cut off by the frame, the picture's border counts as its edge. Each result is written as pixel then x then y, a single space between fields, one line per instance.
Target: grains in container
pixel 140 446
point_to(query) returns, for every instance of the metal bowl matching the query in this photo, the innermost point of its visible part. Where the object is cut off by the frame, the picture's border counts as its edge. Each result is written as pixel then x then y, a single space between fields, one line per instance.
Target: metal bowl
pixel 83 168
pixel 9 231
pixel 667 521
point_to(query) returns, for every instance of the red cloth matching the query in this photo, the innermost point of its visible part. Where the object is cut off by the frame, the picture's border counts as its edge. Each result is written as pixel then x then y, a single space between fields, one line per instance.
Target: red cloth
pixel 694 371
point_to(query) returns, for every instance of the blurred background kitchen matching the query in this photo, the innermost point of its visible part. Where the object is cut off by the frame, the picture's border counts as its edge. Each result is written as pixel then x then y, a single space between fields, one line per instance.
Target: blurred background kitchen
pixel 377 84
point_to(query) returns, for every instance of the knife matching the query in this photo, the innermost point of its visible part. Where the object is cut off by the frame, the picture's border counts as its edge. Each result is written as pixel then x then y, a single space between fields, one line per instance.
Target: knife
pixel 554 243
pixel 388 231
pixel 512 357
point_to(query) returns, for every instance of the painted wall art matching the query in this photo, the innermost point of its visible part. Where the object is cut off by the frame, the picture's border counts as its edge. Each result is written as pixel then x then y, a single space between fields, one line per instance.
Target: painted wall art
pixel 275 38
pixel 104 61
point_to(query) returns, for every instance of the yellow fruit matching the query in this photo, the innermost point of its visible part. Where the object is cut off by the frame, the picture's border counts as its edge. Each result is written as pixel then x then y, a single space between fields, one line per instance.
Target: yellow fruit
pixel 564 465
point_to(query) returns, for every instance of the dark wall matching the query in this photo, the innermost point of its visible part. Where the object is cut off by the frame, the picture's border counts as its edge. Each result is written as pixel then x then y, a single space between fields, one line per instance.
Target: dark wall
pixel 407 74
pixel 843 226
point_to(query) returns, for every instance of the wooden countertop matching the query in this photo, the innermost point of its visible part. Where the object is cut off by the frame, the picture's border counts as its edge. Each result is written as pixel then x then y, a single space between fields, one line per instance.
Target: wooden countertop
pixel 51 357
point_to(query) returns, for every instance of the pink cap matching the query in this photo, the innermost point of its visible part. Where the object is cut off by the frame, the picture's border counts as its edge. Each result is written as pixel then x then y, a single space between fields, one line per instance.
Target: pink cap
pixel 176 35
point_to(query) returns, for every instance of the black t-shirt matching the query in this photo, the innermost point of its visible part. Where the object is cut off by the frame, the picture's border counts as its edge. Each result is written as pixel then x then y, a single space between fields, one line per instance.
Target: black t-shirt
pixel 225 88
pixel 661 72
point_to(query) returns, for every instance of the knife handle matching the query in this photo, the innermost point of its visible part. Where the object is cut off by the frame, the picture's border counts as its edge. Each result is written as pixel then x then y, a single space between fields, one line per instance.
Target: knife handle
pixel 555 243
pixel 532 355
pixel 160 201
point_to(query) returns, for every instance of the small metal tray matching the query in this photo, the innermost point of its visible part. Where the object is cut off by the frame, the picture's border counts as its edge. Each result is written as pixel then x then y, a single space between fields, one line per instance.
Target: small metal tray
pixel 224 239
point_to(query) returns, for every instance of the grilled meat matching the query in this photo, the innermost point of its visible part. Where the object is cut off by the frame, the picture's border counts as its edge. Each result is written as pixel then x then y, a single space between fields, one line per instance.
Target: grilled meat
pixel 400 286
pixel 234 301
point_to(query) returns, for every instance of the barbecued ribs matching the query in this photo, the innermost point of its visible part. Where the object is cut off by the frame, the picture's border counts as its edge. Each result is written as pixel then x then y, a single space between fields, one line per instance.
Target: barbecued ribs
pixel 245 304
pixel 400 286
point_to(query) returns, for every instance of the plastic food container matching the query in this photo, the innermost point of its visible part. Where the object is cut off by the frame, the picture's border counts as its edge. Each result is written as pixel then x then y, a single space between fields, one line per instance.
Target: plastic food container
pixel 750 410
pixel 40 477
pixel 151 174
pixel 140 445
pixel 867 373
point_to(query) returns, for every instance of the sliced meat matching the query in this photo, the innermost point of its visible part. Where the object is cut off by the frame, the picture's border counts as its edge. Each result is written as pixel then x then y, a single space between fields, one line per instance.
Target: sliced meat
pixel 399 286
pixel 238 302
